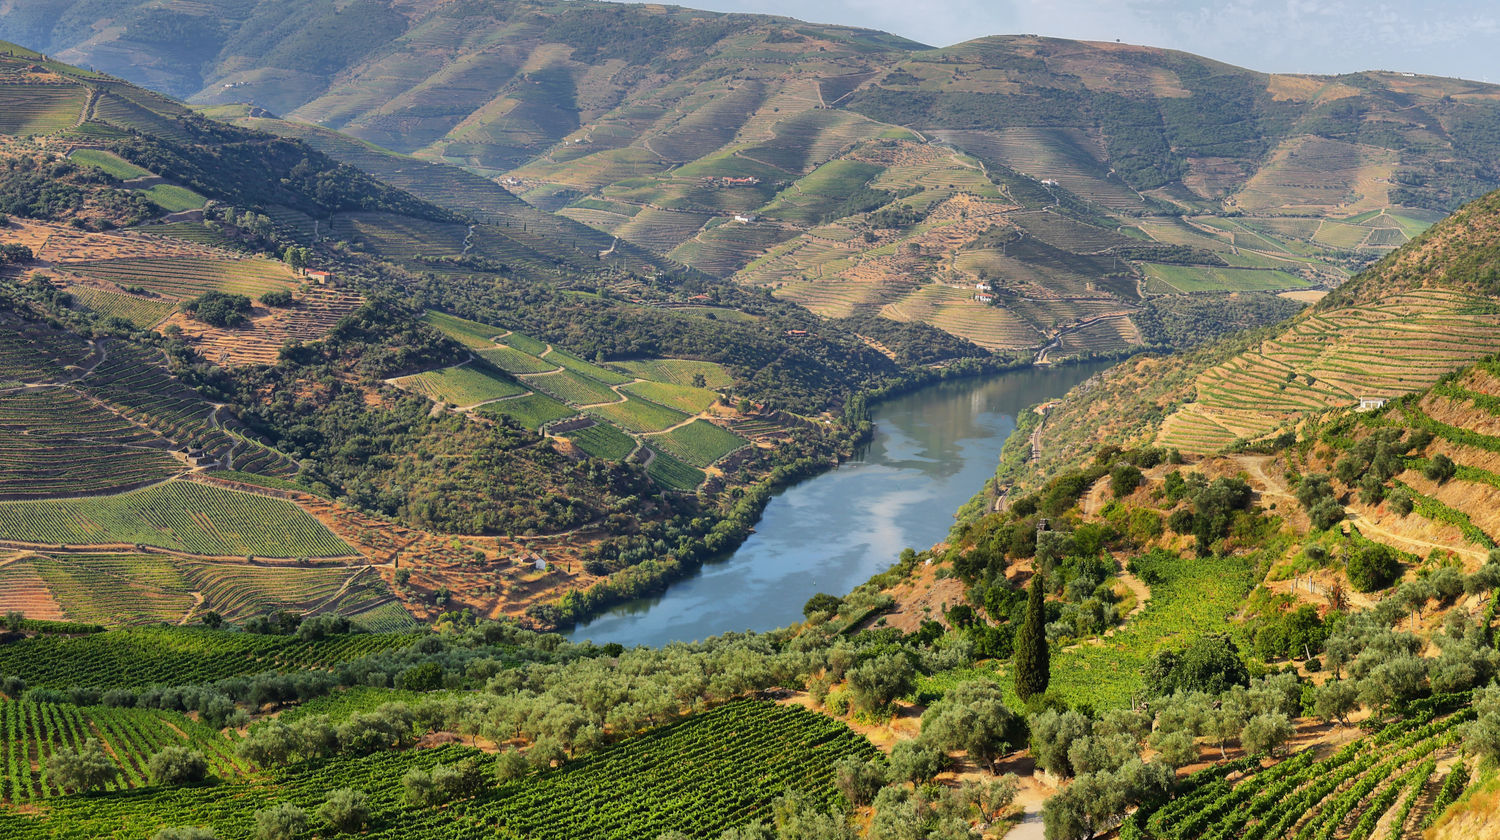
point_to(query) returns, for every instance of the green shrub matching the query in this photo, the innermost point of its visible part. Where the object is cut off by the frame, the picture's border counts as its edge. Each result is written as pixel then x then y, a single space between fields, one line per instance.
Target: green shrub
pixel 1373 567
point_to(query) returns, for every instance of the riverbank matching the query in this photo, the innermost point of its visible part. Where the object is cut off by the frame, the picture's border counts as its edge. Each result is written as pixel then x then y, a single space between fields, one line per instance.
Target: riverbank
pixel 931 447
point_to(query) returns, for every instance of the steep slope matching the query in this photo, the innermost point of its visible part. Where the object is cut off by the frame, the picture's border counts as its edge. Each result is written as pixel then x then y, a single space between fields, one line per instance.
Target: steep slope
pixel 1395 329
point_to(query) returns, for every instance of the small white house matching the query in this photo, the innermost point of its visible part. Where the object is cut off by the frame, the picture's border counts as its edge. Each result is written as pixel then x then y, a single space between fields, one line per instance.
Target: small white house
pixel 1371 403
pixel 1050 182
pixel 983 287
pixel 744 219
pixel 984 298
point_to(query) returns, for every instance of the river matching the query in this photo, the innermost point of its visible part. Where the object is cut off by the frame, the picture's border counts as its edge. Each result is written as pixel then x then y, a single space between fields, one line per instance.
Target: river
pixel 931 452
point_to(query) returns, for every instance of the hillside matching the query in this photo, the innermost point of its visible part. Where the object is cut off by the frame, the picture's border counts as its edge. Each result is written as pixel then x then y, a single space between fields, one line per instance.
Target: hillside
pixel 1025 194
pixel 1394 329
pixel 206 323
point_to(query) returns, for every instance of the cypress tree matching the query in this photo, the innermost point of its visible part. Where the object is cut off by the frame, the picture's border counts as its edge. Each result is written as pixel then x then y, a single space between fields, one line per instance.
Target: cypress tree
pixel 1033 669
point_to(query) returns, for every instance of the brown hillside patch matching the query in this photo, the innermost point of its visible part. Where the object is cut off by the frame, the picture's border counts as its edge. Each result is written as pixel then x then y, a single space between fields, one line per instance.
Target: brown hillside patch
pixel 23 590
pixel 61 244
pixel 923 596
pixel 315 311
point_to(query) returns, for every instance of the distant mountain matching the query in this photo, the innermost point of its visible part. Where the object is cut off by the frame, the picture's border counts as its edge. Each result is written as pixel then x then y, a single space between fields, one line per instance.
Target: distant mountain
pixel 1024 193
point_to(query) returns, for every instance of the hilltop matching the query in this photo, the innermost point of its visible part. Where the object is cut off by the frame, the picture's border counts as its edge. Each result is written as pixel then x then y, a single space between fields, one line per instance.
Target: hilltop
pixel 1026 194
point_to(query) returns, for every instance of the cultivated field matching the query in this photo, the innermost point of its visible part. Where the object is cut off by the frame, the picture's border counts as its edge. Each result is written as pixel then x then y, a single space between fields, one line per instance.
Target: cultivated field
pixel 180 515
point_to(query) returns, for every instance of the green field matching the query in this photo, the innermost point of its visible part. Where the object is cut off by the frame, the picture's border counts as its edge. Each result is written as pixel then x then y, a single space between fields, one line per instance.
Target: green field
pixel 573 388
pixel 142 656
pixel 670 472
pixel 525 343
pixel 1195 278
pixel 468 333
pixel 678 371
pixel 637 415
pixel 1190 597
pixel 512 360
pixel 179 515
pixel 462 385
pixel 532 411
pixel 173 198
pixel 140 311
pixel 577 365
pixel 700 442
pixel 603 441
pixel 109 162
pixel 681 397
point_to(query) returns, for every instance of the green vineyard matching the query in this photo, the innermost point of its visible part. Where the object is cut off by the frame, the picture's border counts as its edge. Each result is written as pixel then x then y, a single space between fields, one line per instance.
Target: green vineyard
pixel 33 731
pixel 179 515
pixel 699 443
pixel 531 411
pixel 603 441
pixel 184 277
pixel 712 771
pixel 143 656
pixel 1345 794
pixel 462 385
pixel 56 441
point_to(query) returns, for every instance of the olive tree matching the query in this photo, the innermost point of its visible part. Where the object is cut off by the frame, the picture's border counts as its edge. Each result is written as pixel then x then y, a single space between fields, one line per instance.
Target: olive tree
pixel 85 769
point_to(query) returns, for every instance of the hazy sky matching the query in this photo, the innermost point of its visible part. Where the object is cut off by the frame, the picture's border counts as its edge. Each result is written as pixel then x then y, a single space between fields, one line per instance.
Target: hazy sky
pixel 1440 37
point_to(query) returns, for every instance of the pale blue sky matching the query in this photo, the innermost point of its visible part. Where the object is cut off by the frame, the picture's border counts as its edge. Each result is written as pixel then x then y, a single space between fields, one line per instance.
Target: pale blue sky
pixel 1445 38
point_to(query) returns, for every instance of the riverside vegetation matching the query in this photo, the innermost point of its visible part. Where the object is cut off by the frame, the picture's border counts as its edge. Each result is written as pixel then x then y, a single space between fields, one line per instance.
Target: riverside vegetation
pixel 279 549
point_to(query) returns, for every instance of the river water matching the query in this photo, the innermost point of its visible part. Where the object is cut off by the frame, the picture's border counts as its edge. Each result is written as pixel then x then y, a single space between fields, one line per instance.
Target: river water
pixel 933 449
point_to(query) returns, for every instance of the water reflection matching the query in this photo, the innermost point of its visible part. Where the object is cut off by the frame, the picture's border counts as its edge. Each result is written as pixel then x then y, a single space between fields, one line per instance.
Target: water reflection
pixel 932 450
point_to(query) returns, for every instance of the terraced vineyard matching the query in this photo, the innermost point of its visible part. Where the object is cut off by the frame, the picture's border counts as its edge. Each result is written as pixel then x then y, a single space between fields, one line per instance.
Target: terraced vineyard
pixel 38 108
pixel 638 415
pixel 142 656
pixel 602 441
pixel 699 443
pixel 573 388
pixel 34 731
pixel 194 232
pixel 186 276
pixel 628 408
pixel 31 352
pixel 117 589
pixel 1334 358
pixel 532 411
pixel 513 361
pixel 143 312
pixel 670 472
pixel 678 371
pixel 1346 794
pixel 56 441
pixel 24 591
pixel 313 312
pixel 463 385
pixel 181 515
pixel 134 384
pixel 683 398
